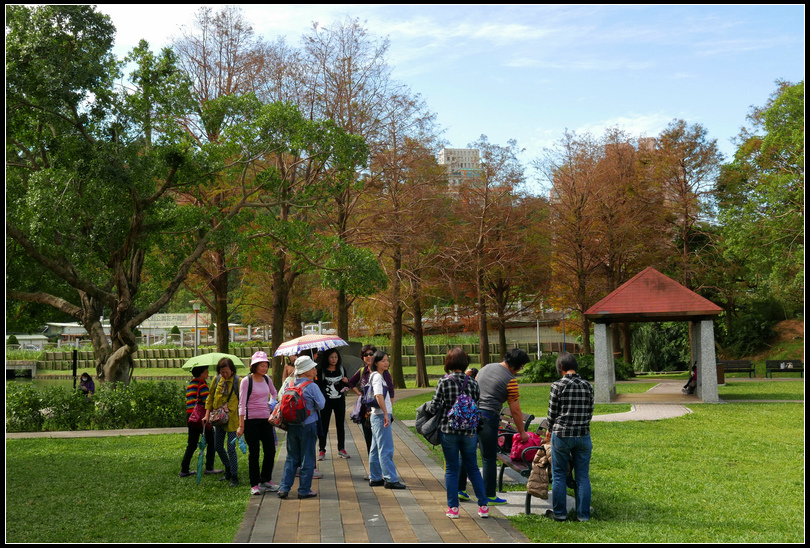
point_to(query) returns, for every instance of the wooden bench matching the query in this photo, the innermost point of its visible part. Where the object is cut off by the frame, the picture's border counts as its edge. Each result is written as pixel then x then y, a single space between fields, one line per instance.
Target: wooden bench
pixel 737 366
pixel 506 430
pixel 784 366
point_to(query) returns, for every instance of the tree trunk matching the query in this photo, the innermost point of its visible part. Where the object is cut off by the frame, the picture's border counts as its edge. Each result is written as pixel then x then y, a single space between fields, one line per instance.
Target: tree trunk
pixel 396 324
pixel 343 314
pixel 586 335
pixel 422 380
pixel 219 287
pixel 483 329
pixel 282 283
pixel 627 339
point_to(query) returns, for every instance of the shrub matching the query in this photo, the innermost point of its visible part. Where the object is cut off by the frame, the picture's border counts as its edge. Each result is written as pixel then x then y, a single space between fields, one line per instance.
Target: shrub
pixel 114 405
pixel 750 334
pixel 545 369
pixel 23 408
pixel 67 409
pixel 12 339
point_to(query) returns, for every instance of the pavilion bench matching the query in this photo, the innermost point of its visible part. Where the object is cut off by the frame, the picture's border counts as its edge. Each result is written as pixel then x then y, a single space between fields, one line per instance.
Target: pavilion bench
pixel 738 366
pixel 784 366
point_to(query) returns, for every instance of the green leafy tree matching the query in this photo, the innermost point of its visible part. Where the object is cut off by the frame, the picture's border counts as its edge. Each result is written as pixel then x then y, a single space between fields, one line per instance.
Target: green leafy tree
pixel 761 197
pixel 99 177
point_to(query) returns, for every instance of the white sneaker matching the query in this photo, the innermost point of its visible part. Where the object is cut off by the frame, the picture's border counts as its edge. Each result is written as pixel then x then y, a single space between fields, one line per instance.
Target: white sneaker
pixel 269 486
pixel 256 490
pixel 452 513
pixel 483 511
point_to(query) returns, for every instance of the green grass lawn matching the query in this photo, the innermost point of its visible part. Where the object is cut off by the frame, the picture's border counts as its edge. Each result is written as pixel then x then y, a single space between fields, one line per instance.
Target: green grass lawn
pixel 117 489
pixel 724 473
pixel 762 390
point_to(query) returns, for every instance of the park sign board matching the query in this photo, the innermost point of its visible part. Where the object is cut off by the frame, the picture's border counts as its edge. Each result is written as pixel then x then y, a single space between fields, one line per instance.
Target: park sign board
pixel 167 321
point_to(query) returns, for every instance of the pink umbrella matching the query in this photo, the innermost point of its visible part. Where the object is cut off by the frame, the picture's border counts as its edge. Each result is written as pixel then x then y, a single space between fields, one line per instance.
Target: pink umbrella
pixel 309 342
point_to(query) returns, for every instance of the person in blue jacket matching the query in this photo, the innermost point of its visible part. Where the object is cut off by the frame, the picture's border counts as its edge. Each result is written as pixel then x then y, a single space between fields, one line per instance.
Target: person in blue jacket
pixel 302 438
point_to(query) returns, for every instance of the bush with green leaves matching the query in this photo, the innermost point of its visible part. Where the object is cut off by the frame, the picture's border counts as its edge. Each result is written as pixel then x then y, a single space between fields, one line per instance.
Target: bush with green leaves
pixel 545 369
pixel 140 404
pixel 67 409
pixel 23 408
pixel 751 333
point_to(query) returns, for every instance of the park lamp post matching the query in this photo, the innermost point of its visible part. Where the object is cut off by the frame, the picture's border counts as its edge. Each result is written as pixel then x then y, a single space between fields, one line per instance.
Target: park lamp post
pixel 195 304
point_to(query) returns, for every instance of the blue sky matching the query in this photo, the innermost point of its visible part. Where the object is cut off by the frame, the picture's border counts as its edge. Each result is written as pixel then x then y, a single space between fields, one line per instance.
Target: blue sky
pixel 530 72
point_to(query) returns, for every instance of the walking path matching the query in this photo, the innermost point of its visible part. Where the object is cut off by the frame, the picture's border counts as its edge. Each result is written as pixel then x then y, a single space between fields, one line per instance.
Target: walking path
pixel 348 510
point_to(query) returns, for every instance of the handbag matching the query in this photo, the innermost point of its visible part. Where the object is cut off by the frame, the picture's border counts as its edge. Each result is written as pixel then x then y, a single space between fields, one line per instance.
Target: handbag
pixel 518 447
pixel 359 411
pixel 221 415
pixel 277 418
pixel 369 399
pixel 195 419
pixel 427 424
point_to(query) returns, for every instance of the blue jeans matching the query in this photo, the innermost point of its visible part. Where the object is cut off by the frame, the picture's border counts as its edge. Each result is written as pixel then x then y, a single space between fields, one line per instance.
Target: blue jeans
pixel 452 445
pixel 578 452
pixel 381 455
pixel 301 441
pixel 488 440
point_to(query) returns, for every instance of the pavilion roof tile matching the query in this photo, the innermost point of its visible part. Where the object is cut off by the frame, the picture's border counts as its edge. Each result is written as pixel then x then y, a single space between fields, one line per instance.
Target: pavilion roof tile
pixel 650 294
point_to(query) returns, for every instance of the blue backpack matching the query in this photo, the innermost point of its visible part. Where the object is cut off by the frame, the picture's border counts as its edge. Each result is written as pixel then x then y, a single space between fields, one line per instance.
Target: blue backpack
pixel 464 414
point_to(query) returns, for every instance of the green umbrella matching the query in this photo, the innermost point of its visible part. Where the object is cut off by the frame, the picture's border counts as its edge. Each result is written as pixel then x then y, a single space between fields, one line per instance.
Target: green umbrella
pixel 211 360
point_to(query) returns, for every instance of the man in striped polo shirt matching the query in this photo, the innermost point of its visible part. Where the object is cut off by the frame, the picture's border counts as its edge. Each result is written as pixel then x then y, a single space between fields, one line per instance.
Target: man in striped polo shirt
pixel 498 386
pixel 570 409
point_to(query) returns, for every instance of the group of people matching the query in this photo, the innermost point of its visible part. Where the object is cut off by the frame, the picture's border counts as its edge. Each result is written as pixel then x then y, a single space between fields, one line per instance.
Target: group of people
pixel 324 385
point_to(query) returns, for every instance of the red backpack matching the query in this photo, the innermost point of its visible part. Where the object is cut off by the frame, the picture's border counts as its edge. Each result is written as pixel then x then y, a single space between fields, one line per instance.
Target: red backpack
pixel 292 403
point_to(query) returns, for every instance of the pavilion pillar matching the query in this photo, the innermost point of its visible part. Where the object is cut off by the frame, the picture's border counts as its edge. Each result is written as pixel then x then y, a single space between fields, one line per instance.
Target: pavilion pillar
pixel 703 353
pixel 603 368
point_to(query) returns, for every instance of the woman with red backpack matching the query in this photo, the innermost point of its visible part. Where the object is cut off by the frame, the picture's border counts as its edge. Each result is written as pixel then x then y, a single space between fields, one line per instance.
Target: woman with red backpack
pixel 302 436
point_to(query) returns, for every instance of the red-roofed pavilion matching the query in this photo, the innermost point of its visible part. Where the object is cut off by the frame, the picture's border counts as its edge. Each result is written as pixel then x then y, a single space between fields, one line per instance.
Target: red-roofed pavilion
pixel 653 297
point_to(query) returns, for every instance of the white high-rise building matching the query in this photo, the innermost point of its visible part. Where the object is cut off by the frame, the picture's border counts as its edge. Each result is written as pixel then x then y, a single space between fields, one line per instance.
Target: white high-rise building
pixel 460 163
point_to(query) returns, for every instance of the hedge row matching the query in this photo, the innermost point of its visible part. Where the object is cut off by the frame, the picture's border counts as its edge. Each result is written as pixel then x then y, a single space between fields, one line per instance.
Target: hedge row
pixel 141 404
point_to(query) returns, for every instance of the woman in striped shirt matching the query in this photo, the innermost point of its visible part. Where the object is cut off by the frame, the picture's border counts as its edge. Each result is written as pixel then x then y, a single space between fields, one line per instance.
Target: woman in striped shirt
pixel 197 391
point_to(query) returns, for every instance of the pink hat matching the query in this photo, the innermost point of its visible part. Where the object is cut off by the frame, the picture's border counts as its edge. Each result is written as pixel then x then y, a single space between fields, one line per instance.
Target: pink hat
pixel 259 357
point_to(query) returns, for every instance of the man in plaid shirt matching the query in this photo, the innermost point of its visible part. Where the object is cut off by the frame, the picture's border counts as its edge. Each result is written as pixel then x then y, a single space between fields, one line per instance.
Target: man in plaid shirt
pixel 570 408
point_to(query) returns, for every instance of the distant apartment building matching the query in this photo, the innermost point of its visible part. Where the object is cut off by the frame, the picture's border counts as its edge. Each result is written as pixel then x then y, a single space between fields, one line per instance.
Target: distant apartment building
pixel 461 164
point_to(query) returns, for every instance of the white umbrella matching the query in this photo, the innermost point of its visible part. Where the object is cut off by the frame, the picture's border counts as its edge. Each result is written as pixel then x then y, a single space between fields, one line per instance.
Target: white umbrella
pixel 309 342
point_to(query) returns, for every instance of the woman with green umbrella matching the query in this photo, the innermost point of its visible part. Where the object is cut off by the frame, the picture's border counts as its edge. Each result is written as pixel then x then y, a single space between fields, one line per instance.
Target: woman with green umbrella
pixel 197 392
pixel 225 392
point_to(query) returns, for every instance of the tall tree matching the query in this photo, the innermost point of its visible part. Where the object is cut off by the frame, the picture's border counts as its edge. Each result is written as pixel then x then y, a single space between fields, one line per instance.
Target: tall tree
pixel 519 255
pixel 686 165
pixel 761 196
pixel 222 57
pixel 105 164
pixel 346 78
pixel 630 214
pixel 572 169
pixel 481 199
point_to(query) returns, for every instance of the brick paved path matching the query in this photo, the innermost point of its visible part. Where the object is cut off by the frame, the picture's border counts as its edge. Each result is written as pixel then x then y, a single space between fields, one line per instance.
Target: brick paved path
pixel 348 510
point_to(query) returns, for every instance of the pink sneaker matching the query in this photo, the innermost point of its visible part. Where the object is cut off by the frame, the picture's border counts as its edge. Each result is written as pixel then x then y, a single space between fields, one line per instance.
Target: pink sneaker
pixel 483 511
pixel 452 513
